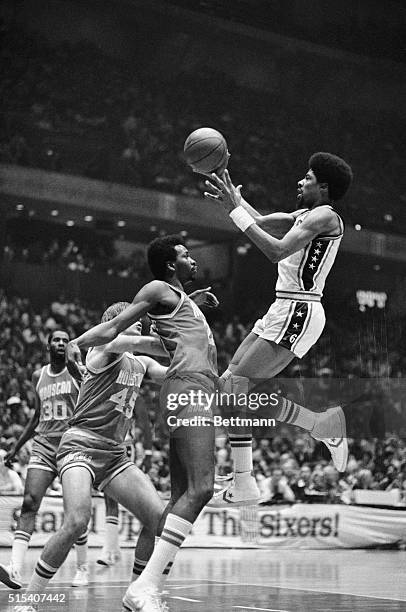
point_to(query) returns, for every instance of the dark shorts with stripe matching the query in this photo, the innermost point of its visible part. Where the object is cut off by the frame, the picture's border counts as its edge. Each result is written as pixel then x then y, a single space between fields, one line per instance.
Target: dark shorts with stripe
pixel 103 458
pixel 43 453
pixel 184 396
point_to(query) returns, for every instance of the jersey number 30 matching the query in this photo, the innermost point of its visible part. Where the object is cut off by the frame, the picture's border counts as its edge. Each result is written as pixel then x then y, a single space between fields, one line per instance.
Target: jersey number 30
pixel 55 410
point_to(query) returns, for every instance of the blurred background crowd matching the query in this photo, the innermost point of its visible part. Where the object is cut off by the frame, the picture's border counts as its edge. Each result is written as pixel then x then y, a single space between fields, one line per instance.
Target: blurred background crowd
pixel 57 114
pixel 289 465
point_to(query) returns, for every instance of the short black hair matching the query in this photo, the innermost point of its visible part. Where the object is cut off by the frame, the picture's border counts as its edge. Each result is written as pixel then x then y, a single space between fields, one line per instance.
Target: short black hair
pixel 55 331
pixel 113 310
pixel 160 251
pixel 332 170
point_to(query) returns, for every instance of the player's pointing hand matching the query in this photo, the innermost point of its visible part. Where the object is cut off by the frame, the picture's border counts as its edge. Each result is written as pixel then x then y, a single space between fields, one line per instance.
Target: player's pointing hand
pixel 223 191
pixel 203 297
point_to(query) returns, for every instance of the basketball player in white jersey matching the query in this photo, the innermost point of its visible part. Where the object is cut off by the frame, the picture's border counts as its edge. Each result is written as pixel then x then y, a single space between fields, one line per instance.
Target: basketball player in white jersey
pixel 56 395
pixel 304 243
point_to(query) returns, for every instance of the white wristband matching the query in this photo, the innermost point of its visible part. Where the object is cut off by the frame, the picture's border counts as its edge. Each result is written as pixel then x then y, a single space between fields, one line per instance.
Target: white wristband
pixel 241 218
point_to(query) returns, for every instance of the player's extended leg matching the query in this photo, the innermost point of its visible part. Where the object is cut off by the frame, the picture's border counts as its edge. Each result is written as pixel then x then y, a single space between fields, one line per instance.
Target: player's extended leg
pixel 192 453
pixel 110 552
pixel 77 502
pixel 36 484
pixel 255 360
pixel 265 359
pixel 178 488
pixel 240 352
pixel 134 490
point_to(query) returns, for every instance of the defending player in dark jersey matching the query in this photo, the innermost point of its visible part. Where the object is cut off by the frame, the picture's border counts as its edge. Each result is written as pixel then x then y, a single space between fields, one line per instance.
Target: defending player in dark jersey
pixel 91 453
pixel 186 336
pixel 56 395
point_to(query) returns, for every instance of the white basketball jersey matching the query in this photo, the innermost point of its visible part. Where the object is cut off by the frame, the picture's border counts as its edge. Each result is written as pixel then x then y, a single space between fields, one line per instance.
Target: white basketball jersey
pixel 306 270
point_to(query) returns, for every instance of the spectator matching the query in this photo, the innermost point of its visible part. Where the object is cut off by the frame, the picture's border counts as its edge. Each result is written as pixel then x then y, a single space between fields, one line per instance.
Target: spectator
pixel 10 482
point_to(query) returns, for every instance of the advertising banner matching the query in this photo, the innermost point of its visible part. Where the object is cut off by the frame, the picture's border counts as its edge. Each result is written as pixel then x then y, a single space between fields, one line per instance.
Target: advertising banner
pixel 300 526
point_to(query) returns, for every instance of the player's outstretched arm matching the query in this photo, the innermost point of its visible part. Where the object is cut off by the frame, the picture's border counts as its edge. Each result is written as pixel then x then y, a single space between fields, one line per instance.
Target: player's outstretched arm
pixel 104 333
pixel 319 221
pixel 29 429
pixel 276 224
pixel 150 345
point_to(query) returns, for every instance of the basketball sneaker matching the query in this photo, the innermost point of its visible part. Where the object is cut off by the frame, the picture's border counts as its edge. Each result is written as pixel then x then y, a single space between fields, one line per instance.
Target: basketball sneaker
pixel 242 491
pixel 10 576
pixel 109 557
pixel 81 577
pixel 330 428
pixel 143 597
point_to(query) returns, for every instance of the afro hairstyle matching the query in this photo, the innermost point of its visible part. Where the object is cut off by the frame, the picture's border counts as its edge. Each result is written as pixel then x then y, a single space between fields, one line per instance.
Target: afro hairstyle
pixel 332 170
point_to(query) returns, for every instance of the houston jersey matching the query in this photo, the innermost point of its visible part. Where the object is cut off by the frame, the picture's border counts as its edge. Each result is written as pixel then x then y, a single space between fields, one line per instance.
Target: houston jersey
pixel 58 394
pixel 107 397
pixel 187 338
pixel 306 270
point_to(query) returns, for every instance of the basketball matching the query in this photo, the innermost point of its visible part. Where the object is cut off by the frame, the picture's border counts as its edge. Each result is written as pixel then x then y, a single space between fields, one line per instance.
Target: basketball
pixel 205 150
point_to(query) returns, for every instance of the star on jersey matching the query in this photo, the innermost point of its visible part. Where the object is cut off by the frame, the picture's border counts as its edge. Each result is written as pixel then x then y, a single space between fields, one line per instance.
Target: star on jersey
pixel 312 264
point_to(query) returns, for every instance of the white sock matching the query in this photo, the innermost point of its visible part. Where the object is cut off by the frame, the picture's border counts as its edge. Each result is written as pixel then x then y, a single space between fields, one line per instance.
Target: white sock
pixel 19 550
pixel 294 414
pixel 111 542
pixel 41 576
pixel 173 534
pixel 138 567
pixel 241 452
pixel 81 550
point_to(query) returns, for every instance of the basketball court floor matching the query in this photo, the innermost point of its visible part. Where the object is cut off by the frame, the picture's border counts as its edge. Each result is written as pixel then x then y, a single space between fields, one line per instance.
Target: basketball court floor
pixel 224 580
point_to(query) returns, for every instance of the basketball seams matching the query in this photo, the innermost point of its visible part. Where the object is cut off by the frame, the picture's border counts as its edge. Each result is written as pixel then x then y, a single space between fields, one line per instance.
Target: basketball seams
pixel 205 150
pixel 190 149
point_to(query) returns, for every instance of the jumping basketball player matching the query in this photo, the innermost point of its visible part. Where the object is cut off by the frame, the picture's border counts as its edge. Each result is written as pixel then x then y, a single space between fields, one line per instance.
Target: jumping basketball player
pixel 56 395
pixel 304 243
pixel 91 452
pixel 186 336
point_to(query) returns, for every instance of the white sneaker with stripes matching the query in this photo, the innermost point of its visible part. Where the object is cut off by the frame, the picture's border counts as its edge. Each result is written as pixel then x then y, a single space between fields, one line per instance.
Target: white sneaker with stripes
pixel 10 576
pixel 330 428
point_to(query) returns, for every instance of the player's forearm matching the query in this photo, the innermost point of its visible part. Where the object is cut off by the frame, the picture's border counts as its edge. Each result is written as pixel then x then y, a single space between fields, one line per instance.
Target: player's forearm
pixel 103 333
pixel 27 434
pixel 153 346
pixel 269 245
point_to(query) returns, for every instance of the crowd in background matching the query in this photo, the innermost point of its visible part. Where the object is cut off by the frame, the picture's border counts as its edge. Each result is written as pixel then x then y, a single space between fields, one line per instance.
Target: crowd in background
pixel 76 255
pixel 288 463
pixel 58 114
